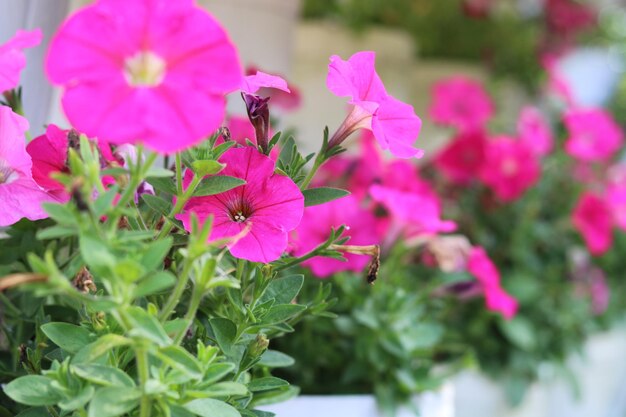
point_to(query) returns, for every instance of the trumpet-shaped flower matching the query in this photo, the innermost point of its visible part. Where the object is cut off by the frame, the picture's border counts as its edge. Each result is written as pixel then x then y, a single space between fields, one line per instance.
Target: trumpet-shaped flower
pixel 592 217
pixel 315 229
pixel 393 122
pixel 460 102
pixel 461 161
pixel 510 168
pixel 153 71
pixel 12 59
pixel 593 135
pixel 265 209
pixel 19 193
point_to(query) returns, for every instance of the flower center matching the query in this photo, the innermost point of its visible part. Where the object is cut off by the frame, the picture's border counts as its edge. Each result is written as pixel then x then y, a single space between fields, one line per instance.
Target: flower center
pixel 239 217
pixel 509 167
pixel 239 211
pixel 144 69
pixel 7 175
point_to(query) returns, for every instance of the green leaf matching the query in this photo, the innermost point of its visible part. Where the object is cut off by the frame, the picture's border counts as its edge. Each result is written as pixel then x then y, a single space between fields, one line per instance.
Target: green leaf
pixel 104 202
pixel 321 195
pixel 178 358
pixel 206 167
pixel 225 332
pixel 225 389
pixel 159 205
pixel 98 348
pixel 154 284
pixel 282 312
pixel 113 401
pixel 68 337
pixel 267 384
pixel 277 396
pixel 276 359
pixel 519 331
pixel 164 185
pixel 60 213
pixel 217 371
pixel 147 326
pixel 103 375
pixel 155 253
pixel 96 255
pixel 32 390
pixel 56 232
pixel 156 172
pixel 217 184
pixel 208 407
pixel 283 290
pixel 78 400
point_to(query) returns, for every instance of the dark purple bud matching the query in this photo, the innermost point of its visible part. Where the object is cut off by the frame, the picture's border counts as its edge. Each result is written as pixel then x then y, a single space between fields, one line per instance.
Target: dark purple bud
pixel 259 115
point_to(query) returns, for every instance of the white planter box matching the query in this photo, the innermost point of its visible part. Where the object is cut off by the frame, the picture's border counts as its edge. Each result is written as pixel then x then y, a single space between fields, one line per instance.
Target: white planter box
pixel 431 404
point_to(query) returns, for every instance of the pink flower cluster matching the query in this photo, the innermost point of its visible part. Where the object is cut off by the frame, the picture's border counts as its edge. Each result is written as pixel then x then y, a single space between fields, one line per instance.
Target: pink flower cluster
pixel 507 165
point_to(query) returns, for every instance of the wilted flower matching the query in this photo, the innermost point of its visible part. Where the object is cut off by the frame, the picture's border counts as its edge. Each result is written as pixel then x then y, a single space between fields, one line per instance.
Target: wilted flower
pixel 154 71
pixel 592 218
pixel 460 102
pixel 12 59
pixel 19 193
pixel 593 134
pixel 269 204
pixel 393 122
pixel 259 115
pixel 315 229
pixel 510 168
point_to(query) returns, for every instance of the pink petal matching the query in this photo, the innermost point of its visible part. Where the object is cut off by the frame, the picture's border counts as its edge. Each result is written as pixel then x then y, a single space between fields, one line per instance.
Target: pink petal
pixel 356 77
pixel 12 59
pixel 253 83
pixel 396 127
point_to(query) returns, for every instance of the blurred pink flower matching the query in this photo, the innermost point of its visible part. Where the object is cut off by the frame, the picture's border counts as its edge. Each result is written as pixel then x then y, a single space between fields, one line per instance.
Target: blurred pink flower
pixel 485 272
pixel 12 58
pixel 315 229
pixel 460 102
pixel 592 218
pixel 271 205
pixel 557 85
pixel 534 131
pixel 254 82
pixel 510 168
pixel 153 71
pixel 461 160
pixel 567 17
pixel 593 134
pixel 19 193
pixel 393 122
pixel 288 99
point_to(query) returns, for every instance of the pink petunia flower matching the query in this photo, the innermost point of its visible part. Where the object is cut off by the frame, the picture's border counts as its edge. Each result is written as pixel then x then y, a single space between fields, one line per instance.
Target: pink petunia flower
pixel 252 83
pixel 510 168
pixel 315 229
pixel 568 17
pixel 12 58
pixel 154 71
pixel 534 131
pixel 288 99
pixel 19 193
pixel 461 160
pixel 393 122
pixel 271 205
pixel 484 270
pixel 593 135
pixel 460 102
pixel 592 218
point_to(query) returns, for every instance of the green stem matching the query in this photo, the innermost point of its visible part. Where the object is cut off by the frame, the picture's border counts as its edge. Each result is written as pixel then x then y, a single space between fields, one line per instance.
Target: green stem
pixel 139 216
pixel 180 203
pixel 144 374
pixel 196 297
pixel 174 299
pixel 179 174
pixel 319 160
pixel 52 411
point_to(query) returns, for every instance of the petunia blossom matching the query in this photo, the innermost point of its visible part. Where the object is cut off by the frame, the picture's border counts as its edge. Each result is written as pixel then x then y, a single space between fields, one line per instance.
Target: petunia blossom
pixel 151 71
pixel 394 123
pixel 12 58
pixel 254 82
pixel 287 99
pixel 265 209
pixel 460 102
pixel 461 160
pixel 534 131
pixel 315 229
pixel 593 135
pixel 19 193
pixel 592 218
pixel 484 270
pixel 510 168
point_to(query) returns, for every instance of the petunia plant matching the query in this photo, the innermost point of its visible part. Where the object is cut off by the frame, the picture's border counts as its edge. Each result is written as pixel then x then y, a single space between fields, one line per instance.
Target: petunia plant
pixel 147 260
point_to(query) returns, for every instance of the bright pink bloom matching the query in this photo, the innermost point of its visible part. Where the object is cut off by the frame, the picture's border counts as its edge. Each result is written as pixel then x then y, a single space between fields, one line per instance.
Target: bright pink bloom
pixel 510 168
pixel 592 218
pixel 12 59
pixel 269 204
pixel 315 229
pixel 154 71
pixel 20 196
pixel 534 131
pixel 593 134
pixel 253 83
pixel 393 122
pixel 286 100
pixel 461 161
pixel 485 272
pixel 460 102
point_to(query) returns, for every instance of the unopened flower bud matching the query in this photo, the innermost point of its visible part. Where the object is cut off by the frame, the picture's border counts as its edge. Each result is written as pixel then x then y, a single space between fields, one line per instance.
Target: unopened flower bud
pixel 259 345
